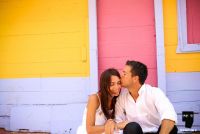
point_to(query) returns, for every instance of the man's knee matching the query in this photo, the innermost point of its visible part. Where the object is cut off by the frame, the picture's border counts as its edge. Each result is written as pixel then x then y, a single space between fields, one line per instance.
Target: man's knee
pixel 132 127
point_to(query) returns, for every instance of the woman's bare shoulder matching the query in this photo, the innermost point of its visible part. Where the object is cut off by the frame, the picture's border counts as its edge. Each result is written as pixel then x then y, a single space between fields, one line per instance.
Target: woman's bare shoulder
pixel 93 100
pixel 93 97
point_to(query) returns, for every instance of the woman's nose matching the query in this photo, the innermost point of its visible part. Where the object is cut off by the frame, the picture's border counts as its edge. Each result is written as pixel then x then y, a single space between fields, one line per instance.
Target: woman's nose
pixel 118 86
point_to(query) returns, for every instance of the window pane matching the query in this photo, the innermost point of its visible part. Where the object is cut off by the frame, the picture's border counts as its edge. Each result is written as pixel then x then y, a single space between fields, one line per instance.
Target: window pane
pixel 193 21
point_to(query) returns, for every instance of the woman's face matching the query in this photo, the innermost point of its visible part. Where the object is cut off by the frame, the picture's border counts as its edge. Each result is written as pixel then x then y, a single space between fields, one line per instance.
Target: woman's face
pixel 115 86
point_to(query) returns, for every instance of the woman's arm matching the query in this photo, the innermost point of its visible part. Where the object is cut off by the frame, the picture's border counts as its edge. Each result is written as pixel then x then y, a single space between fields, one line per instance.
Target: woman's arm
pixel 93 104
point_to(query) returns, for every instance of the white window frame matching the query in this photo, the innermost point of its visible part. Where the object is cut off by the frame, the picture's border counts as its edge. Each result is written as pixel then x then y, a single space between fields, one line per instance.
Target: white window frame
pixel 183 46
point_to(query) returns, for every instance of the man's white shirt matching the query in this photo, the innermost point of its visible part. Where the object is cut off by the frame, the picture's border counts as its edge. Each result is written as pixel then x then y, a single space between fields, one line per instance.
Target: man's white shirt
pixel 150 108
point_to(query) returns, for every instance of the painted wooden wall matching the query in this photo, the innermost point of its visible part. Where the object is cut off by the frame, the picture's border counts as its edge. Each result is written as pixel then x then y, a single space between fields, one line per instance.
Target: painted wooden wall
pixel 183 70
pixel 126 31
pixel 176 62
pixel 44 64
pixel 43 40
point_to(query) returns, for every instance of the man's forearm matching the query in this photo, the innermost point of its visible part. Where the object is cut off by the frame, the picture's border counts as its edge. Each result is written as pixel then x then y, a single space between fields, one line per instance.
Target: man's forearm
pixel 166 126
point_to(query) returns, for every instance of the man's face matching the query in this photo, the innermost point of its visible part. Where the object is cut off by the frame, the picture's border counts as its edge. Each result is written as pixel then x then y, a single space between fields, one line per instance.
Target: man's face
pixel 126 77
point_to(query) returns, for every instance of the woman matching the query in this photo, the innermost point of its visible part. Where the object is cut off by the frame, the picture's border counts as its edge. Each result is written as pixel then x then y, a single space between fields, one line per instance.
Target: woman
pixel 100 112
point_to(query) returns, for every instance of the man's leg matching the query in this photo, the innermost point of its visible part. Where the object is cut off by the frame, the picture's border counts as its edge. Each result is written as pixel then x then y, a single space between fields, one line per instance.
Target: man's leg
pixel 132 128
pixel 173 131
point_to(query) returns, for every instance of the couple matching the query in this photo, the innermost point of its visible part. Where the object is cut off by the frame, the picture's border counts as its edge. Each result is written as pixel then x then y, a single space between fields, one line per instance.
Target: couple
pixel 138 109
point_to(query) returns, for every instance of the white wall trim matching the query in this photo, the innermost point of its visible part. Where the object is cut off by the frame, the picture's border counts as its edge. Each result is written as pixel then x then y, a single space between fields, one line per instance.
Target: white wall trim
pixel 161 71
pixel 183 46
pixel 93 82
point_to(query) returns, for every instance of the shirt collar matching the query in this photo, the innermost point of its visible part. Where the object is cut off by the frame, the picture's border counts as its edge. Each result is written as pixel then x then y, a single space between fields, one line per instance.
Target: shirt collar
pixel 141 90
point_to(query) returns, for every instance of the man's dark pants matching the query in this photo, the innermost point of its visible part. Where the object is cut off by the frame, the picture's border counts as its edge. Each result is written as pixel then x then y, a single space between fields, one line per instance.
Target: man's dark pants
pixel 135 128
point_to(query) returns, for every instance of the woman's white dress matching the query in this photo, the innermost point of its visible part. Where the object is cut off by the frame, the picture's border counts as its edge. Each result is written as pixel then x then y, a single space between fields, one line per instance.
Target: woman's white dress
pixel 100 119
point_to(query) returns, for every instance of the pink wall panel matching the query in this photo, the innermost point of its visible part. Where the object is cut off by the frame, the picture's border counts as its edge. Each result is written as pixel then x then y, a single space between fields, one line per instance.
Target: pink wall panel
pixel 129 35
pixel 123 13
pixel 126 31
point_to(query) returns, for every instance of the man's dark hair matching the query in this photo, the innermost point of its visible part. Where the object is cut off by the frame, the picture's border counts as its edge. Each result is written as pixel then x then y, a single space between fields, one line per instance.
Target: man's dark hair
pixel 138 69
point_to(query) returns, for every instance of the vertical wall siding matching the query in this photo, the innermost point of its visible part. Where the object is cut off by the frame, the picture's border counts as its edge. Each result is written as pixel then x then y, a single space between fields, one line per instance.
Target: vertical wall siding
pixel 126 31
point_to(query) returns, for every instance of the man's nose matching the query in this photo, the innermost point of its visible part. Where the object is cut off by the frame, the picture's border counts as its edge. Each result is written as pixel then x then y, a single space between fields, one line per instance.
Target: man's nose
pixel 121 73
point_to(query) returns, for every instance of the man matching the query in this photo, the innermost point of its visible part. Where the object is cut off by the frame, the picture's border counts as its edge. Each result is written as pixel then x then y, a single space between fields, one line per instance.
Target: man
pixel 146 108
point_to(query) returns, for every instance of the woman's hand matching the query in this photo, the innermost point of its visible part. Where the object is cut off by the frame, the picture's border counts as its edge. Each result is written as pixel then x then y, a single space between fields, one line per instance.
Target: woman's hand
pixel 121 125
pixel 109 126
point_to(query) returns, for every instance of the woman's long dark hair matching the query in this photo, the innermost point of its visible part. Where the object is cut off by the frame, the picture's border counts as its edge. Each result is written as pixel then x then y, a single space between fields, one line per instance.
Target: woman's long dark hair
pixel 105 83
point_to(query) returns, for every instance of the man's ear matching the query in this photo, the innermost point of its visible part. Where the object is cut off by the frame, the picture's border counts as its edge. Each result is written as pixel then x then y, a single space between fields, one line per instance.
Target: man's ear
pixel 134 79
pixel 137 78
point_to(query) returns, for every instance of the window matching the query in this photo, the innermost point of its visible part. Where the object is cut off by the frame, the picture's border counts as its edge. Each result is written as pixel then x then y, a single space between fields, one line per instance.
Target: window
pixel 188 26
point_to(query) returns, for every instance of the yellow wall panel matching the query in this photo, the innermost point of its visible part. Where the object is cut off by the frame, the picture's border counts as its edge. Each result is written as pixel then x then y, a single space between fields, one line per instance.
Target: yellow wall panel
pixel 42 16
pixel 170 13
pixel 172 55
pixel 48 69
pixel 189 62
pixel 43 38
pixel 170 36
pixel 183 64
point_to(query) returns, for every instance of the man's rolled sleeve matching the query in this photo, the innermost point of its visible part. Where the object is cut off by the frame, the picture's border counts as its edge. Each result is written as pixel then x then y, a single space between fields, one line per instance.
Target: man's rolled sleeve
pixel 164 106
